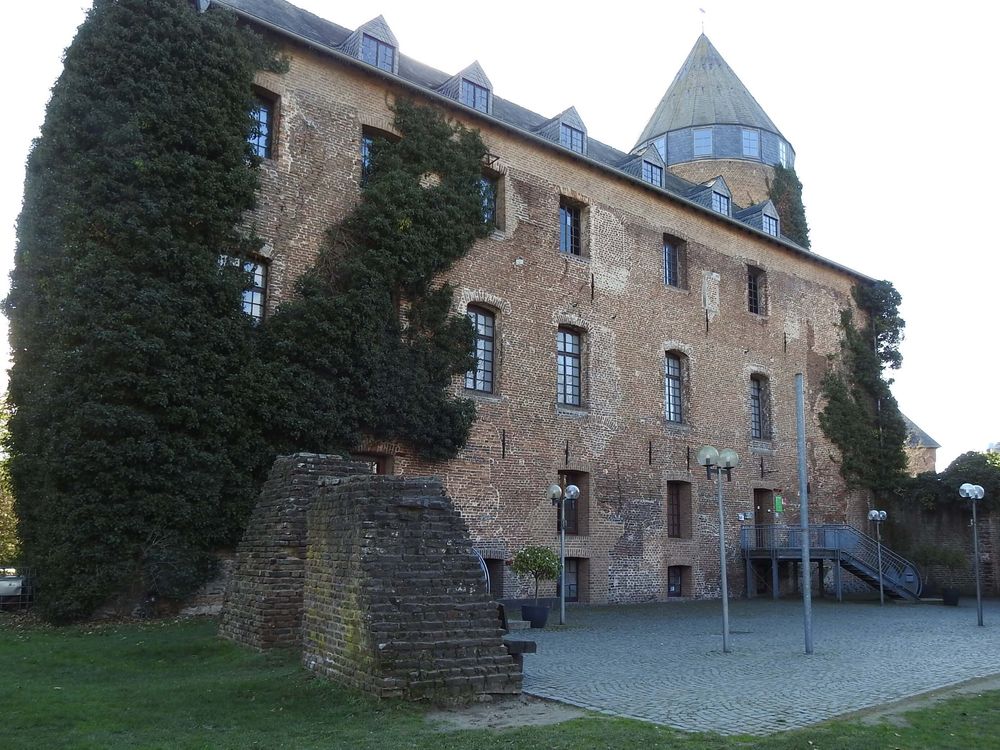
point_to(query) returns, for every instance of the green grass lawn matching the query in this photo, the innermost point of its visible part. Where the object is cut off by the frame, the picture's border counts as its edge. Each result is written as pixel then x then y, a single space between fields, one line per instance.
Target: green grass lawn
pixel 176 685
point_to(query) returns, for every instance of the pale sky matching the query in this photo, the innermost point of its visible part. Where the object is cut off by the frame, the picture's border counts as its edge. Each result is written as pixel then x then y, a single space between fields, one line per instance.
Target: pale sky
pixel 890 107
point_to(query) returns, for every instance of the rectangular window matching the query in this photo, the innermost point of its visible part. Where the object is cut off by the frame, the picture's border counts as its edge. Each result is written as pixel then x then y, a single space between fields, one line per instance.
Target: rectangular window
pixel 569 228
pixel 367 142
pixel 571 138
pixel 254 297
pixel 475 96
pixel 720 203
pixel 488 188
pixel 569 390
pixel 260 134
pixel 770 225
pixel 702 141
pixel 760 408
pixel 751 143
pixel 672 250
pixel 652 174
pixel 674 396
pixel 783 153
pixel 577 511
pixel 378 53
pixel 481 378
pixel 678 580
pixel 679 510
pixel 755 290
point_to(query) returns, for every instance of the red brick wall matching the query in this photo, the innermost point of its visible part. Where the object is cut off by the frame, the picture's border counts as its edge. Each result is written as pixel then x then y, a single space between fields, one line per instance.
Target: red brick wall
pixel 616 295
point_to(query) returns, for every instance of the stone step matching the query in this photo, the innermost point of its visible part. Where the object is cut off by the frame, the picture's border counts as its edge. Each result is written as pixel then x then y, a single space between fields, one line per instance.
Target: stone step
pixel 513 625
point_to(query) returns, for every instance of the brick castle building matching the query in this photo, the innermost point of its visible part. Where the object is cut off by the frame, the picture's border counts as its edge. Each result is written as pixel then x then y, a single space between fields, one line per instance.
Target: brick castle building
pixel 630 306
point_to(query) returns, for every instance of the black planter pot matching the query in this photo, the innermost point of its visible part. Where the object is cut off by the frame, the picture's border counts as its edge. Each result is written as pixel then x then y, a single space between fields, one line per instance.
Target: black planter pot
pixel 536 614
pixel 949 596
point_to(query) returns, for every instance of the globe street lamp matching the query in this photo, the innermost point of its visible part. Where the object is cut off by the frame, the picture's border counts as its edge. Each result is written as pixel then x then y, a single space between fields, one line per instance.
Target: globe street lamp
pixel 877 517
pixel 558 496
pixel 975 493
pixel 716 462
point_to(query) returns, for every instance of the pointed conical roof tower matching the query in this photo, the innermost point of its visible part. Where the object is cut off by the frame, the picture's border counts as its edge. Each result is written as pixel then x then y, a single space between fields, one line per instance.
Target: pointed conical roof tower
pixel 708 124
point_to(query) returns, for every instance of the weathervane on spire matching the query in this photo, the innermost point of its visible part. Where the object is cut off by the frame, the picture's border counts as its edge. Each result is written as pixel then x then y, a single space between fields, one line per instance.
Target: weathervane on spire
pixel 702 11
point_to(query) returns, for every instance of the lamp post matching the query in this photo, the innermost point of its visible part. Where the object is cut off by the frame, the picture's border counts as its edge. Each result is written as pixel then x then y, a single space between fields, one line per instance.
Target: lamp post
pixel 716 462
pixel 877 517
pixel 974 493
pixel 558 496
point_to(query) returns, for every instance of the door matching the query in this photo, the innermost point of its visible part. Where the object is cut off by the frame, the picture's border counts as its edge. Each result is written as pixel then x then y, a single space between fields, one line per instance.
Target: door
pixel 763 517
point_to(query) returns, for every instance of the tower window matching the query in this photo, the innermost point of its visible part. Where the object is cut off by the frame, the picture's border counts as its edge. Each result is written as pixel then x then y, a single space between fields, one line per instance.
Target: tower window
pixel 783 153
pixel 263 121
pixel 751 143
pixel 702 141
pixel 674 388
pixel 481 377
pixel 569 228
pixel 756 299
pixel 760 408
pixel 569 390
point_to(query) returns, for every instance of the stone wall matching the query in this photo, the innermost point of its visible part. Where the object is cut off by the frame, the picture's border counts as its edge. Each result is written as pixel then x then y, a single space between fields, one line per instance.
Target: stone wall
pixel 394 600
pixel 263 603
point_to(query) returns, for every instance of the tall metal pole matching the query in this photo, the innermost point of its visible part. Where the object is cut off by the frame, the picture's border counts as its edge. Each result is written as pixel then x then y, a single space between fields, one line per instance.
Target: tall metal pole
pixel 975 552
pixel 881 587
pixel 562 558
pixel 800 424
pixel 722 564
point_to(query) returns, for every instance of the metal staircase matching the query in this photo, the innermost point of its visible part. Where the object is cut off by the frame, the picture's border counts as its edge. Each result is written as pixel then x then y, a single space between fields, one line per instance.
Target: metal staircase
pixel 844 545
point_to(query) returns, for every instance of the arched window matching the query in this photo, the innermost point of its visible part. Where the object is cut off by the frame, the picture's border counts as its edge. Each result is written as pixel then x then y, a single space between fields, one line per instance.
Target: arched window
pixel 480 378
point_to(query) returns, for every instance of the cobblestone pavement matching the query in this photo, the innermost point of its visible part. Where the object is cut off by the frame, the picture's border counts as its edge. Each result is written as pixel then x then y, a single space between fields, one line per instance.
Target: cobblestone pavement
pixel 664 662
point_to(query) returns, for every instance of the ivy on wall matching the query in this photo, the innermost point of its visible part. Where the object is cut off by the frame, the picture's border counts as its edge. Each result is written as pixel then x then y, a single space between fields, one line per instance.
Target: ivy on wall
pixel 861 416
pixel 785 191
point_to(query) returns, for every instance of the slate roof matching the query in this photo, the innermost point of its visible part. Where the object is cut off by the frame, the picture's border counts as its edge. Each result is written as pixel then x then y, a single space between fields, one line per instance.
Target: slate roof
pixel 917 438
pixel 705 91
pixel 285 18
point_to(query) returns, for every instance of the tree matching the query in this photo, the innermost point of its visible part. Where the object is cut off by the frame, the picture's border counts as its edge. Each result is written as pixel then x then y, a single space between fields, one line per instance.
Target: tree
pixel 786 194
pixel 973 467
pixel 861 416
pixel 540 563
pixel 369 345
pixel 132 445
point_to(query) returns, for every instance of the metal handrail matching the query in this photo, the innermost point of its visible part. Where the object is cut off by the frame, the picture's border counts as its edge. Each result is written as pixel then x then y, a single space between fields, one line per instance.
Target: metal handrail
pixel 896 569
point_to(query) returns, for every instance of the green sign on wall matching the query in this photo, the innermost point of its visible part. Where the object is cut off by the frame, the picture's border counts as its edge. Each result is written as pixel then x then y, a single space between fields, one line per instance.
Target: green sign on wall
pixel 779 504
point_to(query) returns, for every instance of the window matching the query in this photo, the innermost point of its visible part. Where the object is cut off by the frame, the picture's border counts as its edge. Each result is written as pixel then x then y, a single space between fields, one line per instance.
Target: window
pixel 569 228
pixel 673 261
pixel 720 203
pixel 488 189
pixel 576 579
pixel 475 96
pixel 367 144
pixel 783 153
pixel 571 138
pixel 481 377
pixel 652 174
pixel 679 580
pixel 577 511
pixel 255 295
pixel 770 225
pixel 263 122
pixel 674 391
pixel 760 408
pixel 679 510
pixel 377 463
pixel 756 301
pixel 702 141
pixel 751 143
pixel 378 53
pixel 569 391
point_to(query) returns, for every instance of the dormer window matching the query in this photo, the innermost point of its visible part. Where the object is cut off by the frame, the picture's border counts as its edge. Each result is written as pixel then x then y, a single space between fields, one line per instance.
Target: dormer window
pixel 702 141
pixel 378 53
pixel 475 96
pixel 720 203
pixel 770 225
pixel 652 174
pixel 571 138
pixel 751 143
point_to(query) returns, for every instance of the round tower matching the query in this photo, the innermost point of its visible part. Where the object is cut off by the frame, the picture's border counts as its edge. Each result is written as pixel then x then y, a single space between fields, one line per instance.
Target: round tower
pixel 708 124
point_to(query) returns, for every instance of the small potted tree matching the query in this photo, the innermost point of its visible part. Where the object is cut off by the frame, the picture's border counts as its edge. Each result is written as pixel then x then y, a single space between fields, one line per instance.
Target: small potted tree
pixel 542 564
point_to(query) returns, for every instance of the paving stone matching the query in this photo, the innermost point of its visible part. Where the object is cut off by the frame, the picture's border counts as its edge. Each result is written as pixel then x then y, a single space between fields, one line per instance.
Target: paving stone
pixel 664 662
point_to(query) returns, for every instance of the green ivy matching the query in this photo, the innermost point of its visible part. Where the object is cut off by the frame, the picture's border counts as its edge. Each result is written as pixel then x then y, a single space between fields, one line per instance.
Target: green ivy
pixel 133 441
pixel 786 194
pixel 930 489
pixel 861 416
pixel 370 347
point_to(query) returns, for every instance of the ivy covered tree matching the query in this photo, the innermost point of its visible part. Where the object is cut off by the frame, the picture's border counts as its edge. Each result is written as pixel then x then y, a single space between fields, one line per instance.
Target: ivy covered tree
pixel 861 415
pixel 132 444
pixel 786 194
pixel 369 346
